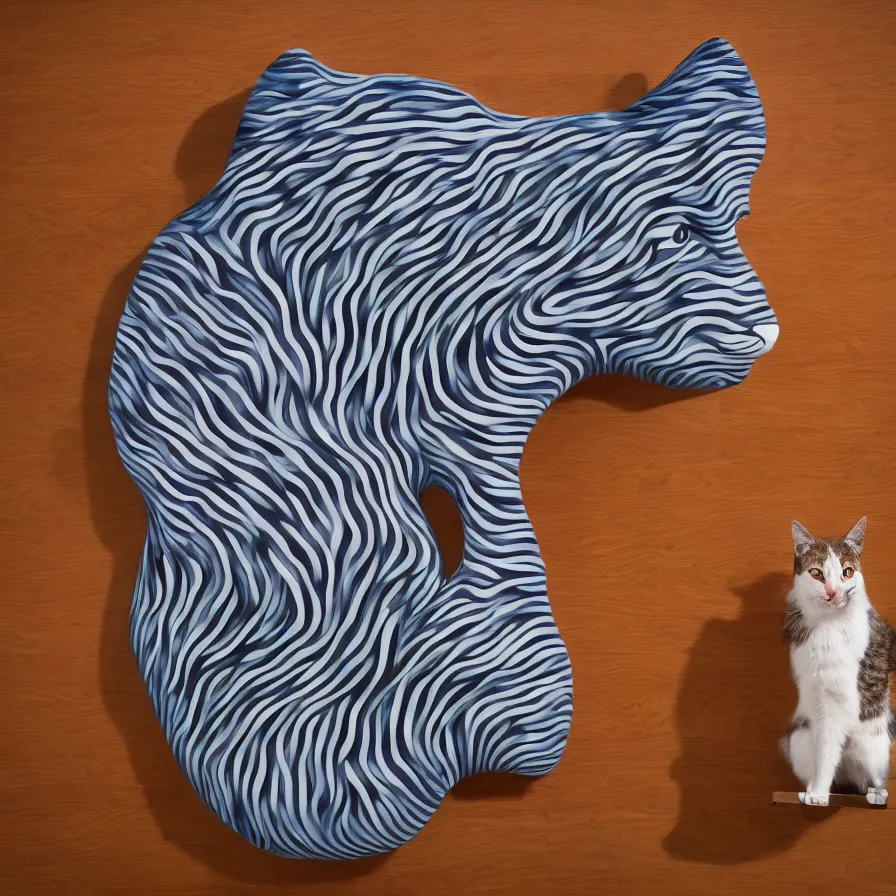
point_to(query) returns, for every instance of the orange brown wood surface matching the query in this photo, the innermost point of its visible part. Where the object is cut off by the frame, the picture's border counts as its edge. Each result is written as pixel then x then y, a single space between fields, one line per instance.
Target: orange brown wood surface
pixel 663 518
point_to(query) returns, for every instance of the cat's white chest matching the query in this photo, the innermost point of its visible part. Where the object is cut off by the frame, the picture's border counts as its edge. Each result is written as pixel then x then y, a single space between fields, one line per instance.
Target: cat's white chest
pixel 826 666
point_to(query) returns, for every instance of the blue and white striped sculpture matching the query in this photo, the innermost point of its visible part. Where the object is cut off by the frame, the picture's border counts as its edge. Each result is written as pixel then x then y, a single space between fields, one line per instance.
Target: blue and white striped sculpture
pixel 387 287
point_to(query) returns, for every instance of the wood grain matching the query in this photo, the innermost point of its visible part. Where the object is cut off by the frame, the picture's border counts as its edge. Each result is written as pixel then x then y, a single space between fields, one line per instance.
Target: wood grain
pixel 663 518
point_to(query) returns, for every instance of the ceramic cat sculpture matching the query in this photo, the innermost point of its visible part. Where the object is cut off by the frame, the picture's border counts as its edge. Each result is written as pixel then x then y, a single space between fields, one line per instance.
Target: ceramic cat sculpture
pixel 386 288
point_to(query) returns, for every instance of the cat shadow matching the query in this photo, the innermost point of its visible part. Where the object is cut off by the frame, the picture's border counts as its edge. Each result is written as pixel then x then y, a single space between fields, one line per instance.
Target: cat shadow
pixel 735 702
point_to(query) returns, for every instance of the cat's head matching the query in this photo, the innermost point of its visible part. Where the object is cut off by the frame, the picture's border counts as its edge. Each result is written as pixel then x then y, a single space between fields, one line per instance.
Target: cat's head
pixel 827 572
pixel 662 287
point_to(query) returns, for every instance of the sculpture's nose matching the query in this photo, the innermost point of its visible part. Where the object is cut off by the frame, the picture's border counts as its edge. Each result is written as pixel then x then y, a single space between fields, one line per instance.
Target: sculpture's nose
pixel 768 333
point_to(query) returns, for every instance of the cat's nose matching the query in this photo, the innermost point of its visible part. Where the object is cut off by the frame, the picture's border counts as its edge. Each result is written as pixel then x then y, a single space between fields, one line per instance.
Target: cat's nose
pixel 768 333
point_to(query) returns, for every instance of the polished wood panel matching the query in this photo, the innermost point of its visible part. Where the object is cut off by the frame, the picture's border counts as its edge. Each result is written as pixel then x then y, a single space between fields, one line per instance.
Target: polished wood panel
pixel 663 518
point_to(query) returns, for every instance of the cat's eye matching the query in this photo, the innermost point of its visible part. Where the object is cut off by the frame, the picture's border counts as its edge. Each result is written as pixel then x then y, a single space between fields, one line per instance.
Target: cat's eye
pixel 848 572
pixel 816 574
pixel 682 232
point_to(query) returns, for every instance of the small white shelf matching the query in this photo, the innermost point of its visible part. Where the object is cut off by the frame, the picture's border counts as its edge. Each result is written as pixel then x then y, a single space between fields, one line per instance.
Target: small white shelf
pixel 836 801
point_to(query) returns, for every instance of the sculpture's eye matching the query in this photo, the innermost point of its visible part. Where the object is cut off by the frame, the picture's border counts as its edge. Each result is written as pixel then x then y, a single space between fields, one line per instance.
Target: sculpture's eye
pixel 848 572
pixel 681 234
pixel 817 574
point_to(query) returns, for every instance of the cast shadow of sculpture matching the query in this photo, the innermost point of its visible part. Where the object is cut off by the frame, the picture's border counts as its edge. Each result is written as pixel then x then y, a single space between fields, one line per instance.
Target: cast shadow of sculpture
pixel 626 91
pixel 627 394
pixel 735 701
pixel 120 522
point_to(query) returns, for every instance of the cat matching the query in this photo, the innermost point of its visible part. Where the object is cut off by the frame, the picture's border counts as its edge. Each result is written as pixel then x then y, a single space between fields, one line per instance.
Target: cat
pixel 841 656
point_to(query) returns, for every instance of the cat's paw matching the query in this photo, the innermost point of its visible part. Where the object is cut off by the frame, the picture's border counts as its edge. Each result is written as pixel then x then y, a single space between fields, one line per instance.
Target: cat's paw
pixel 811 798
pixel 877 796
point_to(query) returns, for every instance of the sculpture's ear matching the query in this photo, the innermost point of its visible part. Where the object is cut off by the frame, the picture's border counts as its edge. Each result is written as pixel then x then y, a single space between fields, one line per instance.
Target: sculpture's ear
pixel 856 536
pixel 713 85
pixel 802 538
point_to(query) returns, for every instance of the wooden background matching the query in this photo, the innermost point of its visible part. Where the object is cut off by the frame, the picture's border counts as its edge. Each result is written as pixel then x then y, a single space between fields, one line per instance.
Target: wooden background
pixel 663 519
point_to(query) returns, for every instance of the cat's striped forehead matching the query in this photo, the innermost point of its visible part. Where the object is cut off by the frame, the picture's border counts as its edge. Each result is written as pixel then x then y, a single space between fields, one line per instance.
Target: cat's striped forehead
pixel 818 552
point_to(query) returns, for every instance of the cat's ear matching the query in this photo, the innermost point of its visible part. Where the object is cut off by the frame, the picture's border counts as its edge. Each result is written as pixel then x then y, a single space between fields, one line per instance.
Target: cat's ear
pixel 802 538
pixel 856 535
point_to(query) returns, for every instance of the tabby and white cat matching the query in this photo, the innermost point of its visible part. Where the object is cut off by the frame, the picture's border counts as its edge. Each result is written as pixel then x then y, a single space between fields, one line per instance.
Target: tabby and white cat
pixel 841 656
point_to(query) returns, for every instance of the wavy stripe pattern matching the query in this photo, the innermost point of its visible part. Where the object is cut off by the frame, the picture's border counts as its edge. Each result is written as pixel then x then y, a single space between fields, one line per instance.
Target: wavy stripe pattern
pixel 384 291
